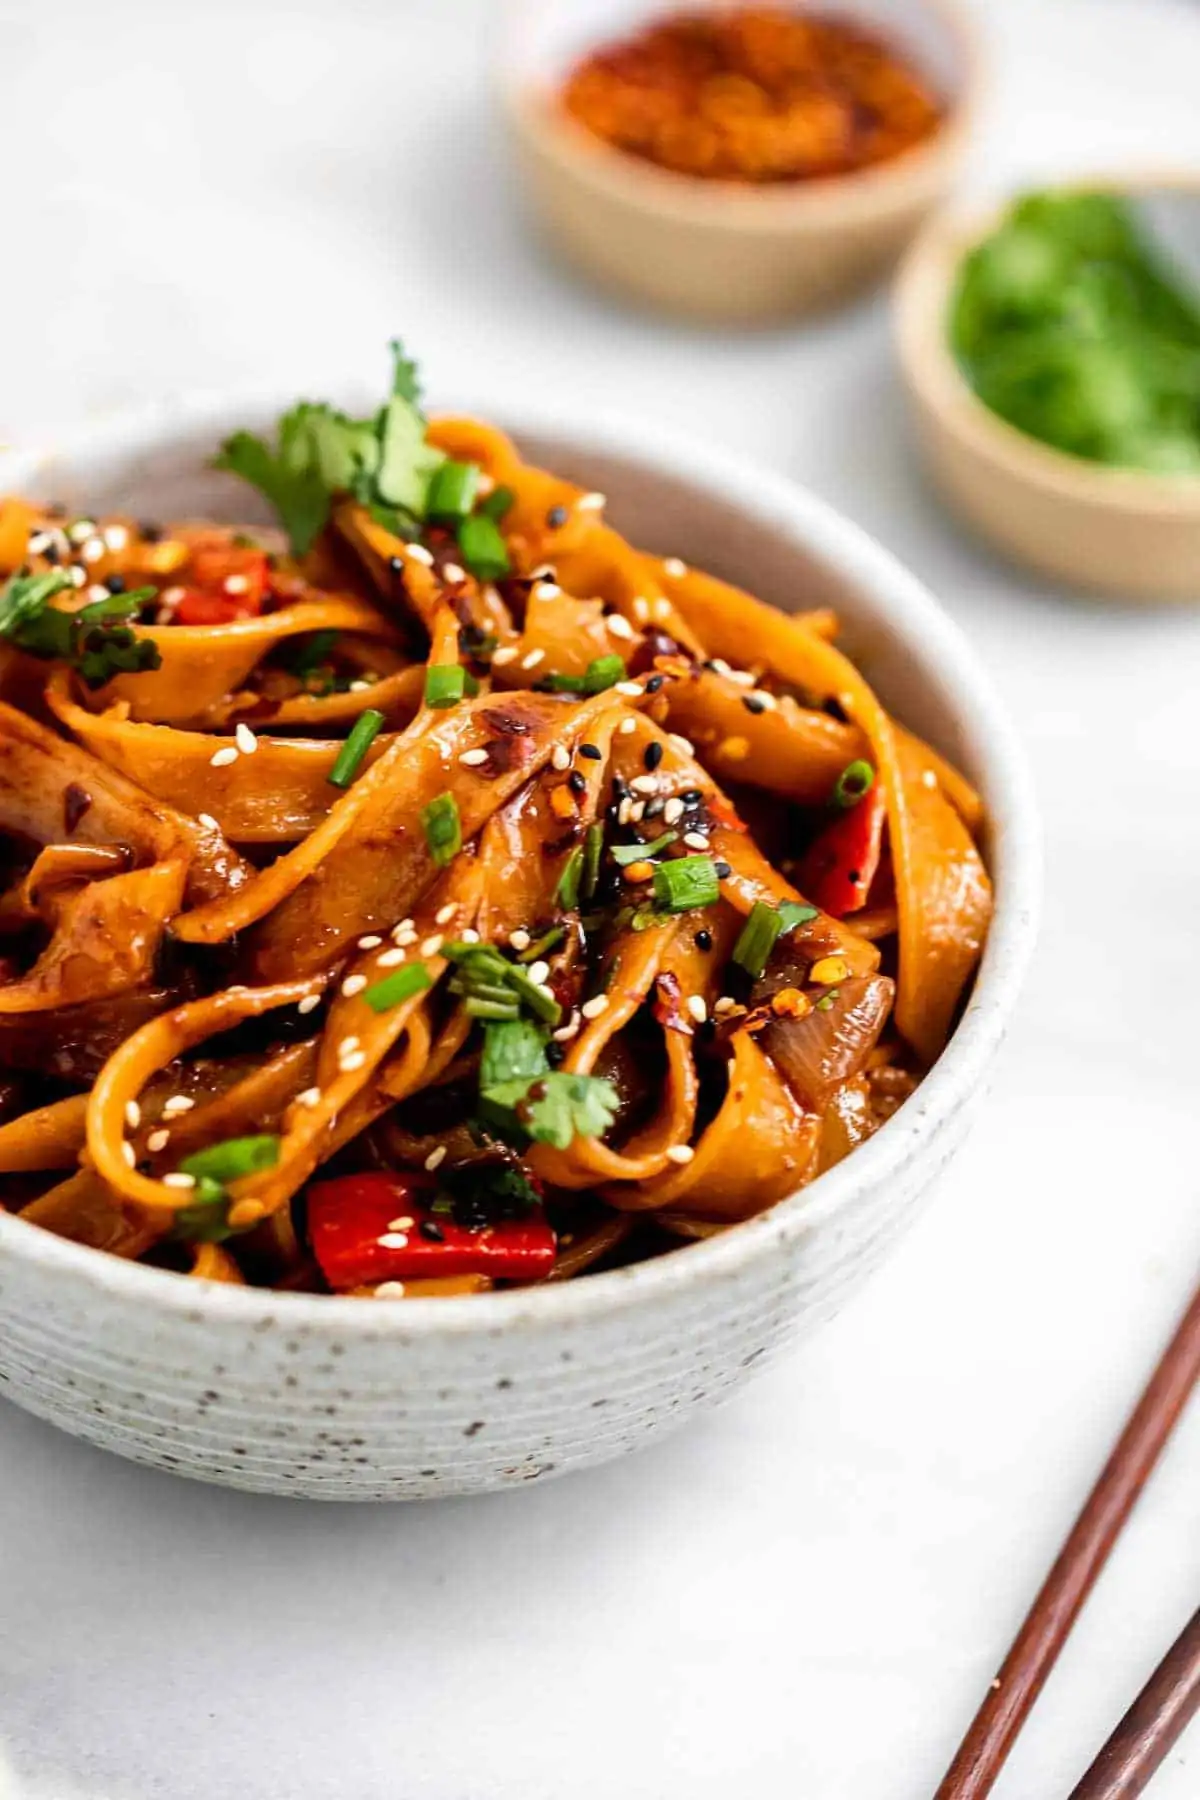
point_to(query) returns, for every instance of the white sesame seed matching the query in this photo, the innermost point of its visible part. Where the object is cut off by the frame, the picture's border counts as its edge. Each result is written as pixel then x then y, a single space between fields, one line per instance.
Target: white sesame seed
pixel 675 566
pixel 235 584
pixel 158 1140
pixel 133 1114
pixel 403 1223
pixel 592 502
pixel 644 784
pixel 626 726
pixel 349 1045
pixel 538 972
pixel 543 572
pixel 98 592
pixel 77 576
pixel 719 666
pixel 371 942
pixel 533 659
pixel 519 939
pixel 247 743
pixel 128 1152
pixel 403 928
pixel 309 1003
pixel 471 759
pixel 624 810
pixel 641 609
pixel 743 678
pixel 632 690
pixel 178 1179
pixel 392 1240
pixel 360 686
pixel 637 810
pixel 684 745
pixel 309 1097
pixel 390 1290
pixel 419 553
pixel 469 936
pixel 116 537
pixel 391 959
pixel 560 758
pixel 176 1104
pixel 41 540
pixel 93 550
pixel 662 611
pixel 81 530
pixel 444 914
pixel 928 778
pixel 696 840
pixel 591 1009
pixel 566 1032
pixel 432 945
pixel 680 1153
pixel 726 1004
pixel 436 1157
pixel 767 702
pixel 697 1008
pixel 221 759
pixel 353 984
pixel 452 572
pixel 619 626
pixel 348 1064
pixel 673 810
pixel 208 822
pixel 172 596
pixel 505 654
pixel 547 590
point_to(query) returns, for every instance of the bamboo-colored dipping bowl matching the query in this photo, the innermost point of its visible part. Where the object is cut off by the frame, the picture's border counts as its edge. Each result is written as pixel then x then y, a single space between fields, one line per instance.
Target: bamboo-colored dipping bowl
pixel 1125 533
pixel 709 250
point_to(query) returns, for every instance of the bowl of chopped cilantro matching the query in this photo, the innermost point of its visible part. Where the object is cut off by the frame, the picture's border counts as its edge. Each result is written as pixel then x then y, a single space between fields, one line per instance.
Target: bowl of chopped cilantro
pixel 1051 350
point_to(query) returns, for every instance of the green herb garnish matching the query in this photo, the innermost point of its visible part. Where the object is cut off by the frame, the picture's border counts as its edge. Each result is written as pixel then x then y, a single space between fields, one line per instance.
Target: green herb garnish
pixel 689 881
pixel 593 850
pixel 498 502
pixel 93 639
pixel 349 758
pixel 400 984
pixel 764 926
pixel 601 673
pixel 852 785
pixel 555 1108
pixel 443 829
pixel 624 854
pixel 452 492
pixel 313 653
pixel 233 1159
pixel 447 683
pixel 511 1050
pixel 494 988
pixel 483 548
pixel 566 894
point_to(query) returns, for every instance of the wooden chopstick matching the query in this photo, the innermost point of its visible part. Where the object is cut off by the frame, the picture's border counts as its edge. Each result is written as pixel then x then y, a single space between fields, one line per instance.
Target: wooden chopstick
pixel 1155 1721
pixel 983 1751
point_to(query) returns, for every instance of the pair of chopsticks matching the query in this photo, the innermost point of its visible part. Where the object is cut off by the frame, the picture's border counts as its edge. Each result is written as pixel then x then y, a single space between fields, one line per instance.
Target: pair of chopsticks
pixel 1172 1695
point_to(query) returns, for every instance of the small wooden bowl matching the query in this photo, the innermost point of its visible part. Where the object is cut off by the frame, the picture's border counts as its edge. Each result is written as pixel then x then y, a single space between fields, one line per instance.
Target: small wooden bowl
pixel 1120 532
pixel 708 250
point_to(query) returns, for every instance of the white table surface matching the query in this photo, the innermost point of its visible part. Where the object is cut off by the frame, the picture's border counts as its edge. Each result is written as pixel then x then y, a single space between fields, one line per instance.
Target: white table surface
pixel 804 1594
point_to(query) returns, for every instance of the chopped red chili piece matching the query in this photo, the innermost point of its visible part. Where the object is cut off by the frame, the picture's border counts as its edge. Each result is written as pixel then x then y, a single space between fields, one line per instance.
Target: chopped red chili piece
pixel 226 583
pixel 357 1238
pixel 837 871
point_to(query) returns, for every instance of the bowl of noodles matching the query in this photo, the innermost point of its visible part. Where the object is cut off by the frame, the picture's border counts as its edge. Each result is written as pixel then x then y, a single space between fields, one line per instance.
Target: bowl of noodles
pixel 502 925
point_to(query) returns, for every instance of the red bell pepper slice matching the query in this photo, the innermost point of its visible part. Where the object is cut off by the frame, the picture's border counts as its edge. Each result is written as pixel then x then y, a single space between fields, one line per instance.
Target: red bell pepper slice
pixel 354 1226
pixel 209 599
pixel 839 866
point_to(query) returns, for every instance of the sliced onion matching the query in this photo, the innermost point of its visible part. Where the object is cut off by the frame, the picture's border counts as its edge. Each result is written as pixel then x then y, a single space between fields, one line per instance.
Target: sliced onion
pixel 816 1054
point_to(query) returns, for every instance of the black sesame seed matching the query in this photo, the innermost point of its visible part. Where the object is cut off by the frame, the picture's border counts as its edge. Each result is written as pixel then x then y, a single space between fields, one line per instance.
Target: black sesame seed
pixel 704 939
pixel 722 871
pixel 620 787
pixel 150 532
pixel 753 704
pixel 430 1229
pixel 652 755
pixel 855 876
pixel 654 807
pixel 691 796
pixel 558 515
pixel 115 584
pixel 577 782
pixel 555 1054
pixel 592 751
pixel 396 565
pixel 52 554
pixel 654 683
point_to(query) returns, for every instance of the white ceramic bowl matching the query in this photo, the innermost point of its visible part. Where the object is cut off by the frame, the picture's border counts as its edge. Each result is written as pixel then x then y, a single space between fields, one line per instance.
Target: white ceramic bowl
pixel 296 1394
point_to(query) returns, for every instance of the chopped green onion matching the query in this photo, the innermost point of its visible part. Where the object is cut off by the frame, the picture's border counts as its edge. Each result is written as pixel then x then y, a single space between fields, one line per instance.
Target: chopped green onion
pixel 483 549
pixel 593 850
pixel 234 1158
pixel 446 684
pixel 443 829
pixel 498 502
pixel 764 925
pixel 362 735
pixel 475 1008
pixel 546 942
pixel 601 673
pixel 313 652
pixel 537 999
pixel 624 854
pixel 793 914
pixel 516 1048
pixel 400 985
pixel 566 894
pixel 854 782
pixel 452 492
pixel 687 882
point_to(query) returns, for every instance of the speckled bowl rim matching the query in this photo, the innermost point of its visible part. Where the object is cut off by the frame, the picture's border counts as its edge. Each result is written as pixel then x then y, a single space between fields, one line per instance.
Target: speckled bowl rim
pixel 858 196
pixel 861 563
pixel 920 307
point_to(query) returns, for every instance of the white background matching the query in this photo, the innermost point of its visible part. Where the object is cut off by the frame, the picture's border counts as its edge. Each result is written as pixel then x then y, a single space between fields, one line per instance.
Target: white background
pixel 805 1594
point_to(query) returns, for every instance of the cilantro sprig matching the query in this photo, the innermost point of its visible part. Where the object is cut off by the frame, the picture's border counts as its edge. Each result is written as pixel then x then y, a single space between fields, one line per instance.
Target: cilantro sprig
pixel 521 1094
pixel 94 639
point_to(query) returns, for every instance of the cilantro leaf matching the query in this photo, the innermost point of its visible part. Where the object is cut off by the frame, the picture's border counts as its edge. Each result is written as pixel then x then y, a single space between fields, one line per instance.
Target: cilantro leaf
pixel 92 639
pixel 298 494
pixel 554 1108
pixel 512 1049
